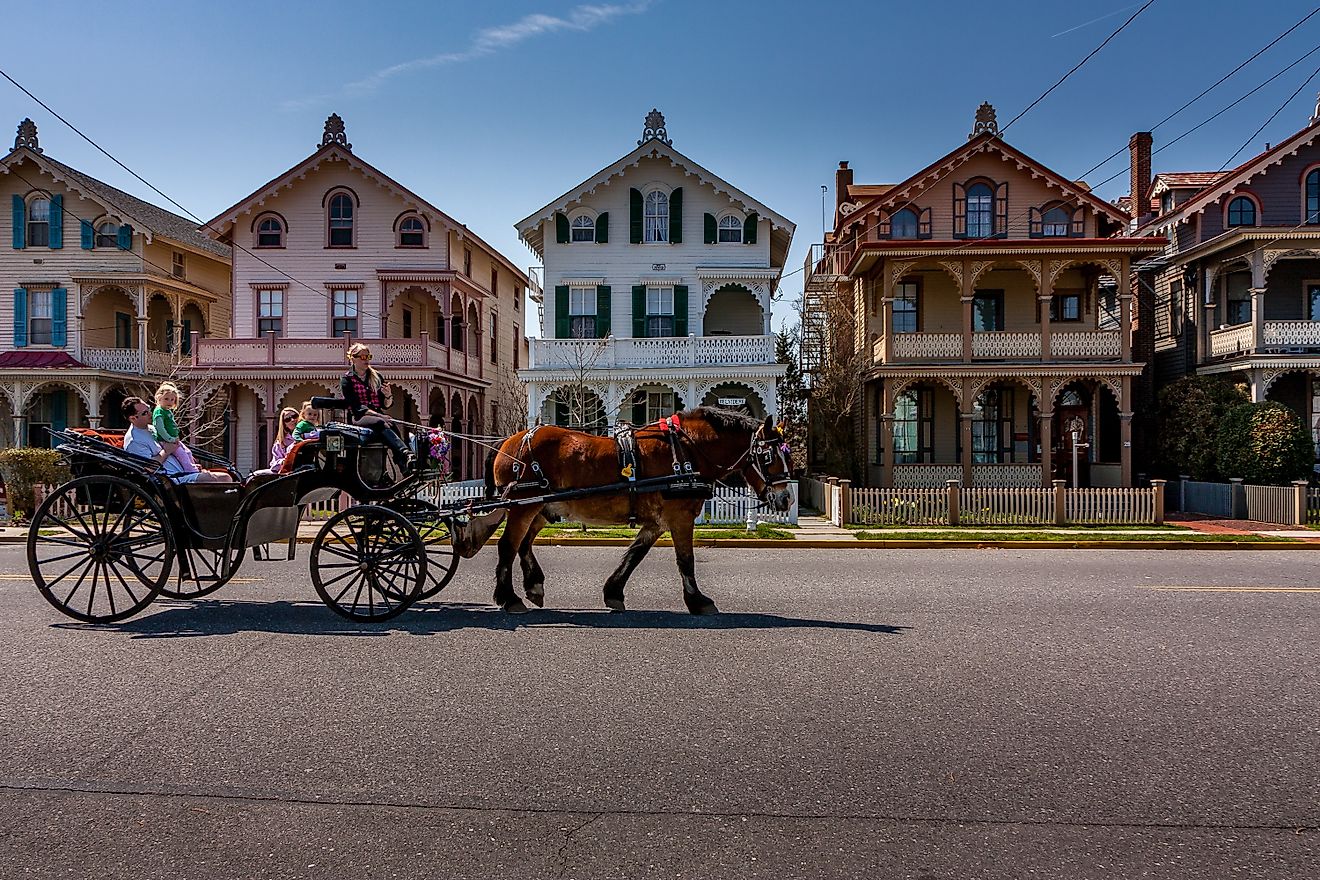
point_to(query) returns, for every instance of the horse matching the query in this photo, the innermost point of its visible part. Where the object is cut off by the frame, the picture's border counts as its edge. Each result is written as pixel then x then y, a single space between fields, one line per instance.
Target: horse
pixel 715 443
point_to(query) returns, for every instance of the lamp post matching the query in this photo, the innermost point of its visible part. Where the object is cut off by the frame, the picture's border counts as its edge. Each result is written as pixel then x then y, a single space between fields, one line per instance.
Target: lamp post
pixel 1075 431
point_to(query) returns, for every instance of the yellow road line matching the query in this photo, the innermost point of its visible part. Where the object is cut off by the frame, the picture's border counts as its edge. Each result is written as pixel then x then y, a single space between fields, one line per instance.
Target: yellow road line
pixel 1196 589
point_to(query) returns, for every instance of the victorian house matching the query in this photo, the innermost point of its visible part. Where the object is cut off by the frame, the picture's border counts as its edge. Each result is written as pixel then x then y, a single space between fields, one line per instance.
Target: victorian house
pixel 1236 285
pixel 988 300
pixel 334 251
pixel 103 294
pixel 658 282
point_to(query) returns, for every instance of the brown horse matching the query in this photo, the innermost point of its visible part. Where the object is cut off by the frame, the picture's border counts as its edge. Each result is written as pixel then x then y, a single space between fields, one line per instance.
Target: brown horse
pixel 715 442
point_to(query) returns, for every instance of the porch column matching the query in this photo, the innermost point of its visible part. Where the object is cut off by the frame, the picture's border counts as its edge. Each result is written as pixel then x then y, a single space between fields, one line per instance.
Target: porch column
pixel 886 438
pixel 886 318
pixel 1046 434
pixel 94 409
pixel 691 398
pixel 965 429
pixel 1125 433
pixel 1046 294
pixel 966 315
pixel 1258 317
pixel 20 429
pixel 1125 313
pixel 1256 384
pixel 142 343
pixel 1206 304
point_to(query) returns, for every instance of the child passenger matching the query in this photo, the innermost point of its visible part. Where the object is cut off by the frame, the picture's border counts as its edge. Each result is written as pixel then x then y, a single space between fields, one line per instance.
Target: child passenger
pixel 166 429
pixel 308 427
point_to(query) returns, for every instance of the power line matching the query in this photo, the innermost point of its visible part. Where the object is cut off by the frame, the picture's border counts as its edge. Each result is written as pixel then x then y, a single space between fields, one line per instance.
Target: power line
pixel 1271 119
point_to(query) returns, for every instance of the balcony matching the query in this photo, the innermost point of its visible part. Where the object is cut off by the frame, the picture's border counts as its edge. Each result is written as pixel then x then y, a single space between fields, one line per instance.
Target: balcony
pixel 690 351
pixel 273 351
pixel 1276 336
pixel 1003 346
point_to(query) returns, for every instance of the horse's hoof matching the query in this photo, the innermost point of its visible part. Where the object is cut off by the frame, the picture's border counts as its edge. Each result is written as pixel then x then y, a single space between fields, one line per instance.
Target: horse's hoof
pixel 537 599
pixel 514 606
pixel 707 608
pixel 615 605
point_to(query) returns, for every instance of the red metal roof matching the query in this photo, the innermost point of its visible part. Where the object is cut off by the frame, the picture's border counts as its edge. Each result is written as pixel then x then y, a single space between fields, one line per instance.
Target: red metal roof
pixel 43 359
pixel 1197 179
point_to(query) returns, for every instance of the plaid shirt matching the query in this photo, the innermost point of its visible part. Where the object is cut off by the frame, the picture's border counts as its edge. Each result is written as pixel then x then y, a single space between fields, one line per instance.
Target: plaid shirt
pixel 359 395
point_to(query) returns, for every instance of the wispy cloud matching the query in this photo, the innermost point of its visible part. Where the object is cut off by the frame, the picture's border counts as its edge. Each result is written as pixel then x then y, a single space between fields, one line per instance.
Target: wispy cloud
pixel 488 41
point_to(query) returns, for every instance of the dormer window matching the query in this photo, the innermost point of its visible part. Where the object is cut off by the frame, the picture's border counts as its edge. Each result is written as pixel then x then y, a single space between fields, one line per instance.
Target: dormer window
pixel 583 228
pixel 1313 197
pixel 107 234
pixel 1242 212
pixel 656 217
pixel 980 211
pixel 270 232
pixel 1056 222
pixel 38 222
pixel 412 232
pixel 339 220
pixel 731 229
pixel 903 224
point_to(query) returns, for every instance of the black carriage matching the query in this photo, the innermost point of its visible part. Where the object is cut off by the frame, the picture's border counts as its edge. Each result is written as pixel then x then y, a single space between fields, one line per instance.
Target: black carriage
pixel 102 546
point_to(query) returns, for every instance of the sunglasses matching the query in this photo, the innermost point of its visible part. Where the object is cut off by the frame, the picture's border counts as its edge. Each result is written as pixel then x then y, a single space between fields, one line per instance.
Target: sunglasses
pixel 290 418
pixel 141 413
pixel 361 357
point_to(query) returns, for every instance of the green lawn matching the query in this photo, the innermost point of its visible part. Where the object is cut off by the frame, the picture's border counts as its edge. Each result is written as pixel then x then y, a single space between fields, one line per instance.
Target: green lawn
pixel 960 534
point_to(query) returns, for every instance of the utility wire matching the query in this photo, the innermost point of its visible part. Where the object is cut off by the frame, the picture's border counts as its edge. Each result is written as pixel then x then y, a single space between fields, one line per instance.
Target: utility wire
pixel 1271 119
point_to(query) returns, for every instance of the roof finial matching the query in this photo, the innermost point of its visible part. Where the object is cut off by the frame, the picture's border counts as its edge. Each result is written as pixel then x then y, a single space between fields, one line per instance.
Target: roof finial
pixel 27 136
pixel 655 129
pixel 1316 114
pixel 985 121
pixel 334 133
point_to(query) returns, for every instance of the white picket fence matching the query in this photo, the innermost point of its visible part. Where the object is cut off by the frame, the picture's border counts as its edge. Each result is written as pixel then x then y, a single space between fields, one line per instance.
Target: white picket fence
pixel 958 505
pixel 980 506
pixel 1113 506
pixel 730 505
pixel 900 506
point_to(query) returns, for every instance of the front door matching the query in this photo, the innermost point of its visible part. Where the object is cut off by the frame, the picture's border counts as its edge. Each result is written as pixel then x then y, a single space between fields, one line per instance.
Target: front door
pixel 1068 419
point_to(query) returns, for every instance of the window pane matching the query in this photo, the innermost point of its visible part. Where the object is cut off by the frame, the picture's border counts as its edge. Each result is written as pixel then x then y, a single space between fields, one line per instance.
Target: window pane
pixel 582 301
pixel 903 224
pixel 979 211
pixel 1056 222
pixel 1313 301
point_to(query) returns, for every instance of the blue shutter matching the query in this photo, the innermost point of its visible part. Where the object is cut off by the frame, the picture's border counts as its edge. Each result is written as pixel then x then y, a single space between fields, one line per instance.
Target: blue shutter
pixel 88 233
pixel 56 222
pixel 59 316
pixel 185 340
pixel 20 223
pixel 125 238
pixel 59 410
pixel 20 317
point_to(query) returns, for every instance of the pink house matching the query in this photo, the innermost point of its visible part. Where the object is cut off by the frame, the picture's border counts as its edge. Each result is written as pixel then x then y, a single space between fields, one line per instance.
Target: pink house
pixel 335 251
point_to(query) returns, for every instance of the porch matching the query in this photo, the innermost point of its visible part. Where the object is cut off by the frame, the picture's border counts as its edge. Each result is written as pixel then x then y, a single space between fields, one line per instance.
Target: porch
pixel 671 351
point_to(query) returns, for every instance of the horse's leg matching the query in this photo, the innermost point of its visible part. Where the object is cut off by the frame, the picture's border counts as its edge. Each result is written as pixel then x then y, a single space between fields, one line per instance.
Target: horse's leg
pixel 696 601
pixel 645 539
pixel 515 530
pixel 533 577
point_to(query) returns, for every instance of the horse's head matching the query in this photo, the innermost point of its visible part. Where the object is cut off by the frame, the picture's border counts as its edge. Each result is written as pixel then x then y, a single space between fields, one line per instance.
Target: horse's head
pixel 766 468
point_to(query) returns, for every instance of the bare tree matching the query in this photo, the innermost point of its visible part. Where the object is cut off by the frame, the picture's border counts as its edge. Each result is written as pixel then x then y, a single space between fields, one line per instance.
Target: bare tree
pixel 509 394
pixel 837 380
pixel 579 357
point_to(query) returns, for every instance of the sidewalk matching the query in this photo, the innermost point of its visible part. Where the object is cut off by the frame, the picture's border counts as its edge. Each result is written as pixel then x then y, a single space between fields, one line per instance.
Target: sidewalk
pixel 818 528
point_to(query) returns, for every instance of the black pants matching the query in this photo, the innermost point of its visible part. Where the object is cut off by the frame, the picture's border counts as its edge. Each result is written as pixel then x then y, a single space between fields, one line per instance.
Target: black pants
pixel 384 433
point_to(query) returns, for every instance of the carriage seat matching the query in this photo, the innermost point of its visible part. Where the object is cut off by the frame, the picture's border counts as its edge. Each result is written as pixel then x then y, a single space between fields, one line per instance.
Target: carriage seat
pixel 114 438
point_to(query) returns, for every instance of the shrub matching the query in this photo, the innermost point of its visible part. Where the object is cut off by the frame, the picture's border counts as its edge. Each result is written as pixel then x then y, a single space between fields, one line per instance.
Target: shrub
pixel 1264 444
pixel 1190 413
pixel 24 469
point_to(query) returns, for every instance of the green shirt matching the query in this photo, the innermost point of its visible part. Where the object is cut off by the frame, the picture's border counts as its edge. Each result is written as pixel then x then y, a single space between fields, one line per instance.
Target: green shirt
pixel 162 420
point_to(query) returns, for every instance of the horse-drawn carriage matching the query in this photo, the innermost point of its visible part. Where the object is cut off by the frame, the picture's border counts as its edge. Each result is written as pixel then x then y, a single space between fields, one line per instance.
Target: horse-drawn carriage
pixel 102 546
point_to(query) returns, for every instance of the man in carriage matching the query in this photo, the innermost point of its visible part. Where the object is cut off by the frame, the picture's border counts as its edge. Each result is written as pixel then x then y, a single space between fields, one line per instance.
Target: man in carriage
pixel 141 442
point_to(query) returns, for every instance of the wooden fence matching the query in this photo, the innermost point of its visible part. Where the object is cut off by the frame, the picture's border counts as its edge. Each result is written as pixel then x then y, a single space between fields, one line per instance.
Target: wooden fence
pixel 957 505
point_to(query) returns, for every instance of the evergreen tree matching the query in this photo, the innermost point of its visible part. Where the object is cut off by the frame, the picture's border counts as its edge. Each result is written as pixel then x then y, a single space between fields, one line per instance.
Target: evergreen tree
pixel 792 391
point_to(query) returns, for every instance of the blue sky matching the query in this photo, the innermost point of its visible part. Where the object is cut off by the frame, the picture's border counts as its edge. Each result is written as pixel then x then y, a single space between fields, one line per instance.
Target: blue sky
pixel 491 110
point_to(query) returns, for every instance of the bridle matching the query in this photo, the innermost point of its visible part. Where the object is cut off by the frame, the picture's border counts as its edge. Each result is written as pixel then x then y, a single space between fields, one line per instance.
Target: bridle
pixel 760 455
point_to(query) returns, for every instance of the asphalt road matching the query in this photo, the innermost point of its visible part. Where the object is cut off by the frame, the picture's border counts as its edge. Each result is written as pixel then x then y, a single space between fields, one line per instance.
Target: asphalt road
pixel 858 713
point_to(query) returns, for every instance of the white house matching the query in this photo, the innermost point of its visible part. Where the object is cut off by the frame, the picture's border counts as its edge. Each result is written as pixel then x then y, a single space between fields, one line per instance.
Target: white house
pixel 658 277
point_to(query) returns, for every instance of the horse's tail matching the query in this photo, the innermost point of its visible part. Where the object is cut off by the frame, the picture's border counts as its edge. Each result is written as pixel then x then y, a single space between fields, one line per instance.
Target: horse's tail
pixel 490 474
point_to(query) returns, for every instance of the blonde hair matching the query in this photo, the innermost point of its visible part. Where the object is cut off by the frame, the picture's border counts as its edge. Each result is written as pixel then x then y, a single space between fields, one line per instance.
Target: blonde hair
pixel 306 411
pixel 374 379
pixel 166 387
pixel 280 432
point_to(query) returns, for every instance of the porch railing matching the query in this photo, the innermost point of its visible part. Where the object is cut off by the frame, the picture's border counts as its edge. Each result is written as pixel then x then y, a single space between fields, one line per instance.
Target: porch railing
pixel 1009 475
pixel 1292 334
pixel 1086 344
pixel 669 351
pixel 1232 340
pixel 910 346
pixel 1005 344
pixel 115 360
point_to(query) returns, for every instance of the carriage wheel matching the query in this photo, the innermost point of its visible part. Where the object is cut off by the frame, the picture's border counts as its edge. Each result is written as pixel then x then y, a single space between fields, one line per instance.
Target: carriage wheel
pixel 435 532
pixel 201 572
pixel 99 549
pixel 368 563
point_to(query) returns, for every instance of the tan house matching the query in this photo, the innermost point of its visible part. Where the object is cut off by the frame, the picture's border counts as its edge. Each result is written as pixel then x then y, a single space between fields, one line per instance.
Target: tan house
pixel 991 298
pixel 335 251
pixel 102 294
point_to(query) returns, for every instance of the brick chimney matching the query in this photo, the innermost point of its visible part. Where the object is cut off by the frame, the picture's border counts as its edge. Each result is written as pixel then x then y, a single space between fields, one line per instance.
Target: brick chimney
pixel 1139 147
pixel 842 180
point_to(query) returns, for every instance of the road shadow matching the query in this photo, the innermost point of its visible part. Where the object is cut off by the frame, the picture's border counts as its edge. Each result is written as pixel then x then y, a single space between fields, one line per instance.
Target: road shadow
pixel 204 617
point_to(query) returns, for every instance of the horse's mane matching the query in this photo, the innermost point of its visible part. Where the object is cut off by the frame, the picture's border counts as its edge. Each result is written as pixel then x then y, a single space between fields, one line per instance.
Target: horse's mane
pixel 719 418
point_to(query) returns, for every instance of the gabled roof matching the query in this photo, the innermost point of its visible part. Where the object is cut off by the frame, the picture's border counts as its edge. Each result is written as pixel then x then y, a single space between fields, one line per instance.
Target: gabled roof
pixel 990 142
pixel 1244 173
pixel 143 216
pixel 1183 179
pixel 222 225
pixel 529 228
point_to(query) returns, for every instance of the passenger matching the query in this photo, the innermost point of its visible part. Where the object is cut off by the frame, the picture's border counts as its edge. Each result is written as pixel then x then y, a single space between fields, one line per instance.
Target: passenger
pixel 309 423
pixel 367 397
pixel 284 439
pixel 139 441
pixel 167 430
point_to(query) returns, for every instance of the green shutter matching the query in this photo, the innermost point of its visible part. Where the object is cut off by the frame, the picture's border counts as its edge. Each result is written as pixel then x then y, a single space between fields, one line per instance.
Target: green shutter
pixel 602 311
pixel 59 410
pixel 634 216
pixel 185 338
pixel 639 311
pixel 59 316
pixel 88 233
pixel 749 228
pixel 676 216
pixel 603 228
pixel 20 317
pixel 639 409
pixel 56 222
pixel 561 229
pixel 125 238
pixel 20 223
pixel 562 328
pixel 680 310
pixel 712 231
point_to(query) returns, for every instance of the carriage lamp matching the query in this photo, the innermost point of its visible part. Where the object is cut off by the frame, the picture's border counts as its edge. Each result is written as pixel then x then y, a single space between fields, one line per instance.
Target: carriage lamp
pixel 334 444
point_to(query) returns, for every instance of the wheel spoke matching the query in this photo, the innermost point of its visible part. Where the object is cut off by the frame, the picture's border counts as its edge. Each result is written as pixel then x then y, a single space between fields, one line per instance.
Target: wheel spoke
pixel 86 560
pixel 68 528
pixel 51 559
pixel 91 595
pixel 127 588
pixel 339 577
pixel 109 590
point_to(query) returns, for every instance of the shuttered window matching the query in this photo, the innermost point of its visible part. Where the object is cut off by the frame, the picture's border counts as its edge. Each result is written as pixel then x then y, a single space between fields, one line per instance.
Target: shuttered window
pixel 38 223
pixel 584 228
pixel 656 217
pixel 731 229
pixel 582 312
pixel 980 211
pixel 39 317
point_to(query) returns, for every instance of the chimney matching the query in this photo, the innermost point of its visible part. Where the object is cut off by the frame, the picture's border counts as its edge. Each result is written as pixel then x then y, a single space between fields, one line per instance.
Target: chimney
pixel 842 180
pixel 1139 146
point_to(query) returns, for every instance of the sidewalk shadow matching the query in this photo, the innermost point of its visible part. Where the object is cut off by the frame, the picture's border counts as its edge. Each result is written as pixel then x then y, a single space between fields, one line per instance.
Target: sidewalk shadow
pixel 220 617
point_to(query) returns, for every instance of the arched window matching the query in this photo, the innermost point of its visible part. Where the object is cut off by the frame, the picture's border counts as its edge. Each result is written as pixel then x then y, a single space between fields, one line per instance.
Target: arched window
pixel 38 222
pixel 107 234
pixel 731 229
pixel 270 232
pixel 1313 197
pixel 980 211
pixel 456 332
pixel 584 228
pixel 1242 212
pixel 1056 222
pixel 412 232
pixel 903 224
pixel 341 221
pixel 656 216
